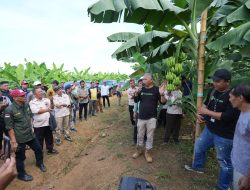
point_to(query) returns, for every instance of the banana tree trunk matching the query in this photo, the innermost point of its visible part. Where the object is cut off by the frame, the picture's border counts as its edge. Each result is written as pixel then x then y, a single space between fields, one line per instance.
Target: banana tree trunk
pixel 201 65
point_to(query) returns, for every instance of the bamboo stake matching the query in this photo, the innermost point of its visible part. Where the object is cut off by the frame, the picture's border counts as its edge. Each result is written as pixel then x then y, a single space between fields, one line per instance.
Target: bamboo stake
pixel 201 65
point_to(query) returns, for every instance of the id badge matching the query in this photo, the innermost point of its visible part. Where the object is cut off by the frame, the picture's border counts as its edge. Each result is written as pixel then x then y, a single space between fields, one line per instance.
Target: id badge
pixel 212 120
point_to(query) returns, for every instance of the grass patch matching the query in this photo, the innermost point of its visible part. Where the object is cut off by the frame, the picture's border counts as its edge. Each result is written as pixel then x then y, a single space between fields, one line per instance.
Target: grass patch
pixel 80 142
pixel 68 167
pixel 120 155
pixel 163 175
pixel 185 147
pixel 118 140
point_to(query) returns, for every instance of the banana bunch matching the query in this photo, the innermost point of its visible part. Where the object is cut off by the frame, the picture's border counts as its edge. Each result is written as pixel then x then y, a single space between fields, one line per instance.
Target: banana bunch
pixel 177 81
pixel 173 74
pixel 170 62
pixel 178 69
pixel 170 76
pixel 171 87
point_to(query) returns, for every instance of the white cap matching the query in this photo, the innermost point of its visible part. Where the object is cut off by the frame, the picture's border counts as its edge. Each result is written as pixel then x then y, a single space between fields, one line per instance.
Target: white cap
pixel 36 83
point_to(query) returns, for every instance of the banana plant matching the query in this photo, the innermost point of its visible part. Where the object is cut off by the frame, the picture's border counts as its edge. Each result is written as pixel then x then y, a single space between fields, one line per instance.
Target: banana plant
pixel 33 71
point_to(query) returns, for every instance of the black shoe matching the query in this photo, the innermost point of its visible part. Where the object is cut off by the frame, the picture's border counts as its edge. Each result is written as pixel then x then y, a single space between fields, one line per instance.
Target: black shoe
pixel 25 177
pixel 93 114
pixel 53 151
pixel 42 167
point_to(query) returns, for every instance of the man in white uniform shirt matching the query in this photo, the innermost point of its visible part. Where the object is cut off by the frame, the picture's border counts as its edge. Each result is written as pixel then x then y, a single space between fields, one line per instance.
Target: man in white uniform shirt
pixel 62 105
pixel 40 108
pixel 105 93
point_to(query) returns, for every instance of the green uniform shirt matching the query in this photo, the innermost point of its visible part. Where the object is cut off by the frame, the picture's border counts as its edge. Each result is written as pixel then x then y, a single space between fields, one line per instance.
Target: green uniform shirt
pixel 18 117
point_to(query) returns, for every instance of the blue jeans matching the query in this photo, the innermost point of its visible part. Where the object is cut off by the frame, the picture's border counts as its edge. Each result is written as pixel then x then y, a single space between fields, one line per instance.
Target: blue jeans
pixel 223 149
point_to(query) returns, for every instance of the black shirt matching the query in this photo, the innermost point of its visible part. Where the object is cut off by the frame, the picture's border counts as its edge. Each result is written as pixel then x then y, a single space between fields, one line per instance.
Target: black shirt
pixel 219 102
pixel 148 98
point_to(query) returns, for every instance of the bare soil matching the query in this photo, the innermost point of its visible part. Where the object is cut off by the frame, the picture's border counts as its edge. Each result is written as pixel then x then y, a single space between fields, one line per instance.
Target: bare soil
pixel 101 152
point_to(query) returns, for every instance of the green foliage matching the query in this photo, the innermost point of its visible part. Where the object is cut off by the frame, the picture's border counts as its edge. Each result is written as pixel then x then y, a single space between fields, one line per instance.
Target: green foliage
pixel 33 71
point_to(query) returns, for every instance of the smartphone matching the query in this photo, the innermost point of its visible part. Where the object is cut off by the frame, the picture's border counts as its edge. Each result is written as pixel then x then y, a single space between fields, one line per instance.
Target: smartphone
pixel 7 147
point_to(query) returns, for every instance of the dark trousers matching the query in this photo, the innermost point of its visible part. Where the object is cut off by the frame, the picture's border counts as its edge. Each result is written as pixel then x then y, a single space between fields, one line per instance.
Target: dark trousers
pixel 74 115
pixel 173 126
pixel 2 131
pixel 92 107
pixel 162 117
pixel 20 155
pixel 131 114
pixel 81 106
pixel 135 131
pixel 44 133
pixel 103 100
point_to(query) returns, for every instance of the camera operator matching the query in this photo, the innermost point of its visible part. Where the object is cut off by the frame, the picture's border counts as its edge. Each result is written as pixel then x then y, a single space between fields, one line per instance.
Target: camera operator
pixel 7 172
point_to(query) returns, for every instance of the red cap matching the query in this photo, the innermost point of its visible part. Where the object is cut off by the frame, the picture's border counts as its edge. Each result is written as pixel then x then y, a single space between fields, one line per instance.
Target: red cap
pixel 17 93
pixel 24 82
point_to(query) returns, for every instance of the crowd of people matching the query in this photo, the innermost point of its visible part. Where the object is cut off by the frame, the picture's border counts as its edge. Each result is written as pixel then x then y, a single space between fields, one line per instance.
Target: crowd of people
pixel 27 117
pixel 225 114
pixel 31 118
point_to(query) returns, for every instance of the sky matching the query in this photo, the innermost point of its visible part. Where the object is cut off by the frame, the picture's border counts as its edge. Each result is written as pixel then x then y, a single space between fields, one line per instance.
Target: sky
pixel 59 31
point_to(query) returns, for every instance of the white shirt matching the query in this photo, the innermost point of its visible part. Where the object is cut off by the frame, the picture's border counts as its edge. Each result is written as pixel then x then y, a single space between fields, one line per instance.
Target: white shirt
pixel 131 95
pixel 61 111
pixel 40 120
pixel 104 90
pixel 173 98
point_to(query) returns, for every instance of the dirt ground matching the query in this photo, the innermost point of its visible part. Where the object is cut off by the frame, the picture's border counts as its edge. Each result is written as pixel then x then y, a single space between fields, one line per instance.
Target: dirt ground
pixel 101 152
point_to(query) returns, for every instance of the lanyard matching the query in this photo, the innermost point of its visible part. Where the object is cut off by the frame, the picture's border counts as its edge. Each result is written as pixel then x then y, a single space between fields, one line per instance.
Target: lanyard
pixel 216 100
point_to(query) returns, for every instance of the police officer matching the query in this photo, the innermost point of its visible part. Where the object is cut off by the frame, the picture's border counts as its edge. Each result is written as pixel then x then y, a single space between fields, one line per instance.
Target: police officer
pixel 18 123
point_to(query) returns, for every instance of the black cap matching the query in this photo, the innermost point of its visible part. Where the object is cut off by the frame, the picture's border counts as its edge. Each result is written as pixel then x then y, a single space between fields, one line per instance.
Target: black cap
pixel 56 88
pixel 4 82
pixel 55 82
pixel 221 74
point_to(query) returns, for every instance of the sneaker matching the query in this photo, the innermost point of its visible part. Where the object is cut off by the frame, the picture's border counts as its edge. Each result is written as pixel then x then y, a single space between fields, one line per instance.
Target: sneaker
pixel 58 142
pixel 73 129
pixel 189 168
pixel 53 151
pixel 68 138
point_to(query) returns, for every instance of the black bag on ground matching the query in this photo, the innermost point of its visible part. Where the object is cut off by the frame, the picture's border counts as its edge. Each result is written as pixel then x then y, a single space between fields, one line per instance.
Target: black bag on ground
pixel 133 183
pixel 52 122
